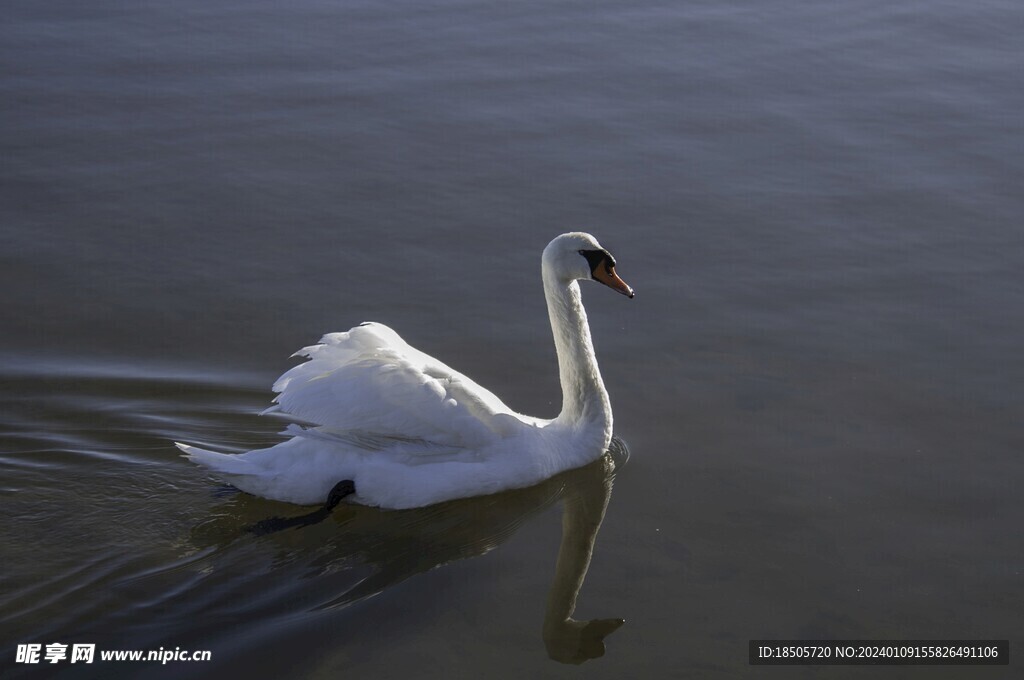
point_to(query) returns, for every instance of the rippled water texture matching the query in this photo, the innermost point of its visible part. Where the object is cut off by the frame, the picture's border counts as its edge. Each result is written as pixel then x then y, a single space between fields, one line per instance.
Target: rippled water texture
pixel 818 204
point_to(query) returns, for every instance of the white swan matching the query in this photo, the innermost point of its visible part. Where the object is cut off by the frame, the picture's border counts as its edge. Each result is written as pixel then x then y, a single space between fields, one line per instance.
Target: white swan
pixel 404 430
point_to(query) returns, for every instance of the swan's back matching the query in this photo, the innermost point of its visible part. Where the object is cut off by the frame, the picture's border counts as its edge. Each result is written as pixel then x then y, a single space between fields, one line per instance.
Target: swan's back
pixel 369 380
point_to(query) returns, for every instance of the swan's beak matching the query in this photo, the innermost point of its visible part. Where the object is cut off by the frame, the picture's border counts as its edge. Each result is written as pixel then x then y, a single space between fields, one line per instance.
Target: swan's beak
pixel 608 277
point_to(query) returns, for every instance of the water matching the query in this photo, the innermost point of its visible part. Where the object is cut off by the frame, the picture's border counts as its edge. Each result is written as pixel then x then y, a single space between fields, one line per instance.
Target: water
pixel 819 380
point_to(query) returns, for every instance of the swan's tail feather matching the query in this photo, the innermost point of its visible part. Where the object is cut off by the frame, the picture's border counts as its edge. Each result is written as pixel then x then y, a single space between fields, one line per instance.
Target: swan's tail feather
pixel 220 462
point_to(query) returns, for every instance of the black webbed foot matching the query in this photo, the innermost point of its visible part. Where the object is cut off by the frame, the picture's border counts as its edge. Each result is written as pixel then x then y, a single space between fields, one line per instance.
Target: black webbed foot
pixel 344 488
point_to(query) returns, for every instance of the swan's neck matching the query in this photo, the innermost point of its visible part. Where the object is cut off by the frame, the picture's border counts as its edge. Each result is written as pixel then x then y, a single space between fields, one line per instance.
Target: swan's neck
pixel 584 399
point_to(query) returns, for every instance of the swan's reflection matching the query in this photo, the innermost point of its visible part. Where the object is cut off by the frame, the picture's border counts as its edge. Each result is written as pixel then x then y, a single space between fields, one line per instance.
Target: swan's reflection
pixel 568 640
pixel 398 544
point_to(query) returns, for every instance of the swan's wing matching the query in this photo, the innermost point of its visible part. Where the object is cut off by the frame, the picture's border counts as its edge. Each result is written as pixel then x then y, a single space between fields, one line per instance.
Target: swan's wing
pixel 368 380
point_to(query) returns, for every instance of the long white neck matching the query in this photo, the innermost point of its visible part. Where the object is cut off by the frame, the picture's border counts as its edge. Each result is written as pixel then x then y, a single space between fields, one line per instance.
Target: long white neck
pixel 585 401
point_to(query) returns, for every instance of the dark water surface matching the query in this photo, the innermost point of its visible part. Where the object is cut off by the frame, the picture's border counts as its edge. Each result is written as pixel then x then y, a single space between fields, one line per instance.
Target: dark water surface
pixel 819 204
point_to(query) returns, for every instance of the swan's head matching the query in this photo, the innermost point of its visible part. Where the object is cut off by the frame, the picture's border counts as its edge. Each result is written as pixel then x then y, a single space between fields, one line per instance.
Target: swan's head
pixel 575 256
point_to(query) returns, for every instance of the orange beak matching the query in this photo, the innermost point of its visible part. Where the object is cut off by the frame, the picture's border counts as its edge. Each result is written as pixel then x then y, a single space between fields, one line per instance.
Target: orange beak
pixel 608 277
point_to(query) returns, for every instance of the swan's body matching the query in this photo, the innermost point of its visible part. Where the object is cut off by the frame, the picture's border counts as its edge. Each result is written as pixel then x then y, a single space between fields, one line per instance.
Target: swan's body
pixel 410 431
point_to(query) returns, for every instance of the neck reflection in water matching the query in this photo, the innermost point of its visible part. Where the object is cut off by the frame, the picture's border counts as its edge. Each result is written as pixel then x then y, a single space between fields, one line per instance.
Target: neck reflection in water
pixel 384 548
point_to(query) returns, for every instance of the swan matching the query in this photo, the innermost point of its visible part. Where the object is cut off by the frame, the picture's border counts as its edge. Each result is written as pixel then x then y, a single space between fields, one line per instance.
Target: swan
pixel 378 422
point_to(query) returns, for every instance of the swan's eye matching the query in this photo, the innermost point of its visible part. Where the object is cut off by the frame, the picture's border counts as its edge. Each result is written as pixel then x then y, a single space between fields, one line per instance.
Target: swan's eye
pixel 595 258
